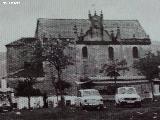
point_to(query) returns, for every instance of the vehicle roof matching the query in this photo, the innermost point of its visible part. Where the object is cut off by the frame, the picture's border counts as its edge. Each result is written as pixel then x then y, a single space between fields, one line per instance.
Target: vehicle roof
pixel 88 90
pixel 126 87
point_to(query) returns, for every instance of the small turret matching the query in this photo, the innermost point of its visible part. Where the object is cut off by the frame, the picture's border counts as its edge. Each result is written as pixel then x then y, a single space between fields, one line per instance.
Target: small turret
pixel 147 36
pixel 75 29
pixel 112 35
pixel 89 14
pixel 95 13
pixel 59 35
pixel 81 34
pixel 134 35
pixel 101 15
pixel 118 35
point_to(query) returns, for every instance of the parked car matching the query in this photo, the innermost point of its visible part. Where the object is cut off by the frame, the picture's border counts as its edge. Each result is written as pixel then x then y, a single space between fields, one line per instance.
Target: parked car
pixel 5 105
pixel 127 95
pixel 5 108
pixel 89 98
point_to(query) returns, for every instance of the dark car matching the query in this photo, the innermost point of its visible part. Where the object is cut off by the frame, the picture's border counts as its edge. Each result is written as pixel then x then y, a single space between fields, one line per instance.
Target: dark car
pixel 5 108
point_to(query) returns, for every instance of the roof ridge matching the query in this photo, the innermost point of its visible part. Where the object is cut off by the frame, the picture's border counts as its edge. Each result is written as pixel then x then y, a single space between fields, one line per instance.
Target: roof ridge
pixel 61 19
pixel 20 40
pixel 27 37
pixel 88 19
pixel 122 20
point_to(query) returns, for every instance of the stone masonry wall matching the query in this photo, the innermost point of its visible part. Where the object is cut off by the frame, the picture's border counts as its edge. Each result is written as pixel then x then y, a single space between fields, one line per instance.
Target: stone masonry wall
pixel 98 56
pixel 17 55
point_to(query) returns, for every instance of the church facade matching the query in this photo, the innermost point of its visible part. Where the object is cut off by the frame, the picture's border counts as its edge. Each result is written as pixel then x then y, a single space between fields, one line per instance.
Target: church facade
pixel 97 43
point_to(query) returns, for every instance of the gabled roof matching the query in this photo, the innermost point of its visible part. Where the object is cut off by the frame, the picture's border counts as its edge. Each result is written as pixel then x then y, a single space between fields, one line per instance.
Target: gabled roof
pixel 22 41
pixel 54 27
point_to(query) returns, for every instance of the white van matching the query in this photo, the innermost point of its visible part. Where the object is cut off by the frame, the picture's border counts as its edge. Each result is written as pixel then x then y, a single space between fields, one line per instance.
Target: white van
pixel 89 98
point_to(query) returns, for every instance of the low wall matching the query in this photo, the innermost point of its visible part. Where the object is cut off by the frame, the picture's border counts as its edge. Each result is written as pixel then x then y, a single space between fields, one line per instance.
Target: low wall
pixel 53 100
pixel 35 102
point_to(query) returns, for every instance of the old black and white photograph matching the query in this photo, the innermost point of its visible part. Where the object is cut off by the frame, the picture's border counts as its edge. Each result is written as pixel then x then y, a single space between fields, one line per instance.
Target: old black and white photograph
pixel 79 60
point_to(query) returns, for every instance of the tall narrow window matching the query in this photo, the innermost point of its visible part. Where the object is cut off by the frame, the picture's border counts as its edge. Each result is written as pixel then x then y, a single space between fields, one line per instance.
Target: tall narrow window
pixel 84 52
pixel 135 52
pixel 111 53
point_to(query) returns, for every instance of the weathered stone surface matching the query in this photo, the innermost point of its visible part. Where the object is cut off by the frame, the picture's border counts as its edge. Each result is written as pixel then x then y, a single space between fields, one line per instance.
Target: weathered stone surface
pixel 18 53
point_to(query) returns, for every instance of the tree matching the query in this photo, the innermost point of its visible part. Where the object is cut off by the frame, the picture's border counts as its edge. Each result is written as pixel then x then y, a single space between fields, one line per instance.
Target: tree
pixel 25 88
pixel 148 66
pixel 37 60
pixel 113 69
pixel 56 54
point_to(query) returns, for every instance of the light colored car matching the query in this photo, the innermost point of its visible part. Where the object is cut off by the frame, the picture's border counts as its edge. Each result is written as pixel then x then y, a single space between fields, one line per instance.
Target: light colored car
pixel 89 98
pixel 127 95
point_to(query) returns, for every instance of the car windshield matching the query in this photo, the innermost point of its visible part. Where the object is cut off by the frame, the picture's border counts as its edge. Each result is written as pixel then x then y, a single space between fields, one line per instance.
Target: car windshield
pixel 131 91
pixel 127 91
pixel 121 90
pixel 90 93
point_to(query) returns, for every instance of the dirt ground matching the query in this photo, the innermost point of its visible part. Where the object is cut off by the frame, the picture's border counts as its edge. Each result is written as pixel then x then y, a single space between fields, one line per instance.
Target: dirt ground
pixel 149 111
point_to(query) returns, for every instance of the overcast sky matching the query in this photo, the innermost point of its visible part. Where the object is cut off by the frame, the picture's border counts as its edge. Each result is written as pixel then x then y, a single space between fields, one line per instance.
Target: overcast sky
pixel 18 21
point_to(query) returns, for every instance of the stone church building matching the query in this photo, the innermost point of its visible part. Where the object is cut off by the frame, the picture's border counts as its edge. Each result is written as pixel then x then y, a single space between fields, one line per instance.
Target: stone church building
pixel 97 42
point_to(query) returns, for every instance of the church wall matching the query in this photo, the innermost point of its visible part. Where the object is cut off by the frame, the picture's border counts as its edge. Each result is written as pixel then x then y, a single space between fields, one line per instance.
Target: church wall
pixel 98 56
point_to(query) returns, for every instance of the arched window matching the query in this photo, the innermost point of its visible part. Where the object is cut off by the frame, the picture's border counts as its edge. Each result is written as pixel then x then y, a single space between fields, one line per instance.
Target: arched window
pixel 135 52
pixel 84 52
pixel 111 53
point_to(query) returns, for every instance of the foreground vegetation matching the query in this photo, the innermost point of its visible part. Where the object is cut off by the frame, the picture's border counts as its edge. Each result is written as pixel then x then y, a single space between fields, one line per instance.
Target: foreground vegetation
pixel 147 112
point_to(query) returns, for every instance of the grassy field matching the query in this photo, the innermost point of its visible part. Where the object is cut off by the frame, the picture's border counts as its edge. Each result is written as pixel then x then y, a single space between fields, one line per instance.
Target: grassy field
pixel 146 112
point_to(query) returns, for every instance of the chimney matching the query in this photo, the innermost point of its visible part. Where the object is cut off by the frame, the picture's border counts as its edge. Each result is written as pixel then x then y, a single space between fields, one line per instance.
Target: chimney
pixel 75 29
pixel 134 36
pixel 59 35
pixel 118 35
pixel 147 36
pixel 112 35
pixel 89 14
pixel 101 14
pixel 95 13
pixel 81 34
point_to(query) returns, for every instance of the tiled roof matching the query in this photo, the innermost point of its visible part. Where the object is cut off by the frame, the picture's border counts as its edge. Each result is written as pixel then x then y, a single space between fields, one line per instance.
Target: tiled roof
pixel 54 27
pixel 25 74
pixel 22 41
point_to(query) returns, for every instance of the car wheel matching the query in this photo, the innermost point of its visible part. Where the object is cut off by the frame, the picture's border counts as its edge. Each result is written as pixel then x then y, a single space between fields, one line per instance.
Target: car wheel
pixel 117 104
pixel 138 105
pixel 82 107
pixel 100 107
pixel 79 107
pixel 121 104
